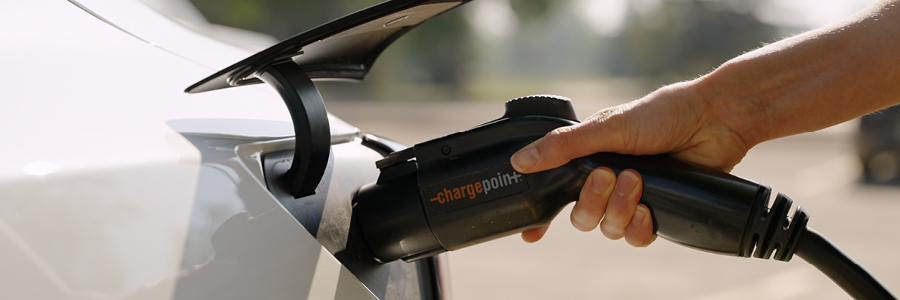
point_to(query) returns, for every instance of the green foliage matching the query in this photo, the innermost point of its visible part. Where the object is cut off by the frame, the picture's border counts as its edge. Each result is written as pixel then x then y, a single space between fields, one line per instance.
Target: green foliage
pixel 687 38
pixel 682 39
pixel 533 9
pixel 437 51
pixel 279 18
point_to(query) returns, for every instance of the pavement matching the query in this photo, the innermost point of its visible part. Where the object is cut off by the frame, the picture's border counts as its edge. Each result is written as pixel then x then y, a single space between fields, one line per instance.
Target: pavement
pixel 818 170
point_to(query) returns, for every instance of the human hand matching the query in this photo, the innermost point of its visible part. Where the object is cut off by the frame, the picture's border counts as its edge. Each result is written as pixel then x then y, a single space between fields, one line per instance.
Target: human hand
pixel 678 119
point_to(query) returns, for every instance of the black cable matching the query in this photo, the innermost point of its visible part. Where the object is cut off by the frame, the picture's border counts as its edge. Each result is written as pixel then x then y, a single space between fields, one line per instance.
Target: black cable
pixel 817 250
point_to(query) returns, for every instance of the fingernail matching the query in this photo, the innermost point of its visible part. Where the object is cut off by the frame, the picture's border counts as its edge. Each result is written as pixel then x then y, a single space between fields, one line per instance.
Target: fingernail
pixel 639 214
pixel 525 159
pixel 626 183
pixel 601 181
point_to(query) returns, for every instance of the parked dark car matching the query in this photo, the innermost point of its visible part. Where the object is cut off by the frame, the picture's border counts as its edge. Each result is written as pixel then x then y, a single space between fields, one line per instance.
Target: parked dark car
pixel 878 145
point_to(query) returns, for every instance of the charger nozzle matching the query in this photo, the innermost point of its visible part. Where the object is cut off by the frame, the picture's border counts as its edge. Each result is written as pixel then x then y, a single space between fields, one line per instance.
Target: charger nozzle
pixel 459 190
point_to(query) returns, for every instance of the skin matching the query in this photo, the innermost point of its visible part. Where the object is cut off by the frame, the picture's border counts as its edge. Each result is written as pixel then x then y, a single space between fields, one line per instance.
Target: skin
pixel 800 84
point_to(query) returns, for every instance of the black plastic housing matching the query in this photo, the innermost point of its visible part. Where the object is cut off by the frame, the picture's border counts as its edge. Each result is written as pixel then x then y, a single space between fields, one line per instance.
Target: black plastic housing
pixel 408 214
pixel 343 49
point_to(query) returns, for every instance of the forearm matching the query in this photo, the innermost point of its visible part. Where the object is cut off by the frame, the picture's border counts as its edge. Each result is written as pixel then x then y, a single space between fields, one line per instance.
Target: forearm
pixel 810 81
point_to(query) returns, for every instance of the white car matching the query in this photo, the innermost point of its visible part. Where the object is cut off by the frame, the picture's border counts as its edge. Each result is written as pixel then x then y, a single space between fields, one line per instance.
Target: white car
pixel 129 172
pixel 116 184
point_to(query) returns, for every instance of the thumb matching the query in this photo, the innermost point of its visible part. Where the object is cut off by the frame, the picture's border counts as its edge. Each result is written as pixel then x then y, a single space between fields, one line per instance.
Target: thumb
pixel 564 144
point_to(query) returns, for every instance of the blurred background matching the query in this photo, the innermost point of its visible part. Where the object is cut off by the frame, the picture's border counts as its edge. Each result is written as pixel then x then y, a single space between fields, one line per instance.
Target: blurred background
pixel 490 48
pixel 456 71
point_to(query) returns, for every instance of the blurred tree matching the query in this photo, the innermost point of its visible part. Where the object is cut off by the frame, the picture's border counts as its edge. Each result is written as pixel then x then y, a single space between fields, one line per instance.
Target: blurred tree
pixel 434 53
pixel 279 18
pixel 687 38
pixel 437 51
pixel 532 9
pixel 677 40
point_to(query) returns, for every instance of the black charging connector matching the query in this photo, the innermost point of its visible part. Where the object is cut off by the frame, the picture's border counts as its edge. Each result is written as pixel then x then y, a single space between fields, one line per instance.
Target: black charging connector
pixel 460 190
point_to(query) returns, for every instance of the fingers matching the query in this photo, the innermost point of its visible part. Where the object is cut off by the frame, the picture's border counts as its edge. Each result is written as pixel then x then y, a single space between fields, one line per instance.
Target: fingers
pixel 551 151
pixel 534 235
pixel 622 204
pixel 565 143
pixel 591 204
pixel 589 208
pixel 613 203
pixel 624 216
pixel 640 232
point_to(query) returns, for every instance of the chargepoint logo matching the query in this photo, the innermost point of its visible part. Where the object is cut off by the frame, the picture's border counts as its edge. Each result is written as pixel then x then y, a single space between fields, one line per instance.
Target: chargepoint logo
pixel 475 187
pixel 473 190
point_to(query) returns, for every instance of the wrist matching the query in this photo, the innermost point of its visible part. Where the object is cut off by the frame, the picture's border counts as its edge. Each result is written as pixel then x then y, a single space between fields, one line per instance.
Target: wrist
pixel 839 72
pixel 764 94
pixel 734 98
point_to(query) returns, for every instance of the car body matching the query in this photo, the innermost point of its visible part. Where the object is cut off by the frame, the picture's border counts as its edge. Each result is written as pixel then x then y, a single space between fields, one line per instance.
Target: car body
pixel 115 184
pixel 878 146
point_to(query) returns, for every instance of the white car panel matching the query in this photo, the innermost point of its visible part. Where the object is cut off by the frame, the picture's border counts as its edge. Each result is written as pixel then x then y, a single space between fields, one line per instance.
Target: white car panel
pixel 97 188
pixel 135 18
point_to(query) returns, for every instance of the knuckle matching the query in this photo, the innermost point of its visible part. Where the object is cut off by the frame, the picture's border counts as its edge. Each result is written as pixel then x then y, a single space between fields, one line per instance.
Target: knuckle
pixel 605 173
pixel 599 184
pixel 559 138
